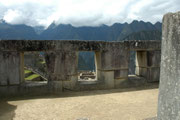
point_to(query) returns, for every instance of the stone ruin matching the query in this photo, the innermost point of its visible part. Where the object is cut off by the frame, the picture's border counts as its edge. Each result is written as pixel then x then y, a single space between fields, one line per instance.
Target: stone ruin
pixel 111 59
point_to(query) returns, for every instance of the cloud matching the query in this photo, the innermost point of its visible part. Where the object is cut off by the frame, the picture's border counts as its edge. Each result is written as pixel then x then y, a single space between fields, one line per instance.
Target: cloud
pixel 84 12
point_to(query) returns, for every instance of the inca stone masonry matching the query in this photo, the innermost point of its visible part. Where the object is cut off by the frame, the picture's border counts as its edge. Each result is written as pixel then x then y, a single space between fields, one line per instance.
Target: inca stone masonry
pixel 112 60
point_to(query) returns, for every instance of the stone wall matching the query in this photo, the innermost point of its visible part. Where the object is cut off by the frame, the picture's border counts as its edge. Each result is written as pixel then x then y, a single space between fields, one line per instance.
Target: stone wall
pixel 111 58
pixel 148 64
pixel 11 68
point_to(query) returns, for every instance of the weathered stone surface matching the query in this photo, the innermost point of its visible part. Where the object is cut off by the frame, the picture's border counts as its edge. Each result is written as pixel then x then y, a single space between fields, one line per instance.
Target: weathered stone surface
pixel 141 45
pixel 147 65
pixel 10 68
pixel 119 74
pixel 153 58
pixel 111 59
pixel 153 74
pixel 55 86
pixel 169 91
pixel 115 58
pixel 108 78
pixel 75 45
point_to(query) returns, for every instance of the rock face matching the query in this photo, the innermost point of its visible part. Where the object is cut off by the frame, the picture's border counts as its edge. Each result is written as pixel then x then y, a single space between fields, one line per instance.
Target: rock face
pixel 169 91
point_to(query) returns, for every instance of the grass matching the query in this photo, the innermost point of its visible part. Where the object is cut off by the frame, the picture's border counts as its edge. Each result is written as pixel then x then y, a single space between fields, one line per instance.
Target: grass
pixel 27 71
pixel 42 62
pixel 31 77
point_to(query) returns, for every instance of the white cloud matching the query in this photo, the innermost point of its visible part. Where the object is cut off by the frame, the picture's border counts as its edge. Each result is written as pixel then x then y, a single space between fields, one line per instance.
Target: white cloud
pixel 84 12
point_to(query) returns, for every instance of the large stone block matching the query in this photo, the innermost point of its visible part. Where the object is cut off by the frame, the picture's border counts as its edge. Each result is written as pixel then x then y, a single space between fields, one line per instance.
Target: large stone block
pixel 123 73
pixel 61 64
pixel 55 86
pixel 169 91
pixel 153 74
pixel 115 59
pixel 107 78
pixel 141 58
pixel 141 71
pixel 147 65
pixel 153 58
pixel 10 68
pixel 71 83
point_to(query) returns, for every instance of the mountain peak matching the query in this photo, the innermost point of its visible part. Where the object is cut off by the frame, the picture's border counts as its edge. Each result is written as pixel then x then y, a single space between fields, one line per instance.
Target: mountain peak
pixel 134 22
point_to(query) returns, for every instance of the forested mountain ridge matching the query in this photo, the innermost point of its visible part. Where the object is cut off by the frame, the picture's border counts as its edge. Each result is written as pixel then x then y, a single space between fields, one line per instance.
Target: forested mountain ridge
pixel 116 32
pixel 137 30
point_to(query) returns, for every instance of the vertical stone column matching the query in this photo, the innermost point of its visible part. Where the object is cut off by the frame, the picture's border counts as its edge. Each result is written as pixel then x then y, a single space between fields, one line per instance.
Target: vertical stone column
pixel 148 64
pixel 11 68
pixel 105 74
pixel 112 65
pixel 22 79
pixel 153 63
pixel 62 69
pixel 141 63
pixel 169 91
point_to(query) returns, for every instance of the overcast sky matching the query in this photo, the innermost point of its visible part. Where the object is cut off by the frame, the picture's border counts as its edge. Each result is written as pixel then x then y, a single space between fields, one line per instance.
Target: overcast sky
pixel 84 12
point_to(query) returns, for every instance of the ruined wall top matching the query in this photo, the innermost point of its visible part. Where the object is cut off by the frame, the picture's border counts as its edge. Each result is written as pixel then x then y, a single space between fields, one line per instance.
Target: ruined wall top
pixel 76 45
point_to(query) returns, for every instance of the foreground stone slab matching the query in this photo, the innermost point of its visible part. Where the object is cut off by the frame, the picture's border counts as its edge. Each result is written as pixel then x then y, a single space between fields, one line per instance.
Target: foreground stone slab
pixel 169 91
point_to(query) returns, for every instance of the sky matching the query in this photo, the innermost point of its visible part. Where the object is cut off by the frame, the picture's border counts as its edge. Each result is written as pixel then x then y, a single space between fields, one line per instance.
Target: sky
pixel 84 12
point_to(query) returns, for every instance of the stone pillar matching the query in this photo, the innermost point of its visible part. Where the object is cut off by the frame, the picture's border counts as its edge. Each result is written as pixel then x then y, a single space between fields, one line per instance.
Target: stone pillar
pixel 169 91
pixel 141 63
pixel 148 64
pixel 112 65
pixel 11 68
pixel 62 69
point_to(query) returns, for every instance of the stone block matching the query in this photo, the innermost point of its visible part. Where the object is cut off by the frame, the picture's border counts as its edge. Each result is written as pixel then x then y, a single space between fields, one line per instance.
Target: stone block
pixel 120 83
pixel 169 90
pixel 10 68
pixel 115 59
pixel 71 84
pixel 153 58
pixel 123 73
pixel 141 71
pixel 153 74
pixel 141 58
pixel 107 77
pixel 61 64
pixel 55 86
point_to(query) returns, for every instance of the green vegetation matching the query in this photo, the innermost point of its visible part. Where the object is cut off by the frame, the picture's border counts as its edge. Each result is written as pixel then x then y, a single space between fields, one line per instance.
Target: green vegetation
pixel 42 62
pixel 27 71
pixel 31 77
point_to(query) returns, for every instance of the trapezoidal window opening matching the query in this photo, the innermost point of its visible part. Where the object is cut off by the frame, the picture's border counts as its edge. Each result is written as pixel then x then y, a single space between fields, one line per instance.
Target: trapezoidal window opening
pixel 86 66
pixel 35 70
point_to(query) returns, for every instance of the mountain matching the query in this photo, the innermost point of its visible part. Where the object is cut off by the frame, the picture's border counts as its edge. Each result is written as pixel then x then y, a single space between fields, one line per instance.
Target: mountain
pixel 137 30
pixel 115 32
pixel 21 31
pixel 39 29
pixel 135 26
pixel 144 35
pixel 158 26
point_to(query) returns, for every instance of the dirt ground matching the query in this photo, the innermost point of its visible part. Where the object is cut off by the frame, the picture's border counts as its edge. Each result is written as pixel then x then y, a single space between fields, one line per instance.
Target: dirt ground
pixel 93 105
